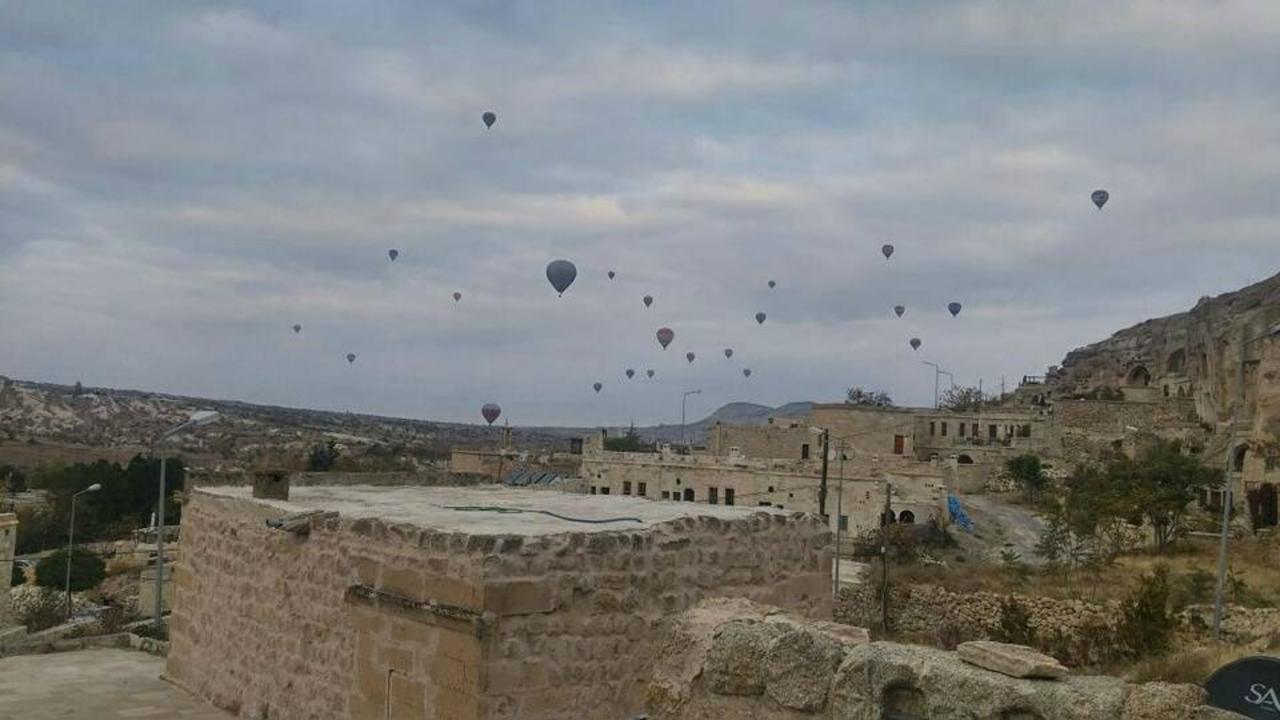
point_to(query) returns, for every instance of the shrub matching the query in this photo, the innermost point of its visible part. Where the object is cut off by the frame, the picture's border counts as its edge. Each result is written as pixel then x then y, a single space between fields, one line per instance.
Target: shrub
pixel 87 570
pixel 1015 624
pixel 44 610
pixel 1146 624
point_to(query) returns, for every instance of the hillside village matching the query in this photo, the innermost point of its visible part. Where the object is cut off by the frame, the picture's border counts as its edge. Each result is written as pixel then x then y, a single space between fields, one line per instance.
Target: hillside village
pixel 973 556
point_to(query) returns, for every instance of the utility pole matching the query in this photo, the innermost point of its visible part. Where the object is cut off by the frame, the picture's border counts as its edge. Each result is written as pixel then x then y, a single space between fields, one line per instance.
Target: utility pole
pixel 884 557
pixel 835 593
pixel 822 487
pixel 684 440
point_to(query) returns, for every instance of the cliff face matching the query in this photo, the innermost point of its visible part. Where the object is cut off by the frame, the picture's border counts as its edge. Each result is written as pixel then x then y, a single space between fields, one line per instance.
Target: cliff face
pixel 1220 354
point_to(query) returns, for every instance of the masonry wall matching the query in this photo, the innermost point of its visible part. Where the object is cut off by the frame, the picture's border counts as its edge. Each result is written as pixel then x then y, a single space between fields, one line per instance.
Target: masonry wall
pixel 866 431
pixel 8 541
pixel 359 617
pixel 779 439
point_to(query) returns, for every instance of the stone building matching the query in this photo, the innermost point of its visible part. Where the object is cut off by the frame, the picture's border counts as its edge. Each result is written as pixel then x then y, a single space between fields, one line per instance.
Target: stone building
pixel 460 603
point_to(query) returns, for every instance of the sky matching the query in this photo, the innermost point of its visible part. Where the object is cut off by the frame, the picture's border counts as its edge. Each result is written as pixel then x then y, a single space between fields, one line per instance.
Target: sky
pixel 182 182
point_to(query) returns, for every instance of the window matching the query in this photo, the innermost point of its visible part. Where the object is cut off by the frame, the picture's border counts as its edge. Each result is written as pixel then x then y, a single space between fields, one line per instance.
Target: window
pixel 626 487
pixel 974 431
pixel 642 489
pixel 944 429
pixel 1024 431
pixel 713 496
pixel 728 496
pixel 991 432
pixel 770 488
pixel 844 522
pixel 899 444
pixel 804 451
pixel 604 490
pixel 688 494
pixel 666 495
pixel 593 489
pixel 765 503
pixel 932 428
pixel 960 430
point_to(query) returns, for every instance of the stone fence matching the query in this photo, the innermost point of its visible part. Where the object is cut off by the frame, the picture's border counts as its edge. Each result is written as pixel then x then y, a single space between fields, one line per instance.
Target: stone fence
pixel 735 659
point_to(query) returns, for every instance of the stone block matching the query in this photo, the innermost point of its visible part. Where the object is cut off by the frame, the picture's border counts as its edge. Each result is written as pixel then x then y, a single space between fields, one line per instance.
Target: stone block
pixel 1162 701
pixel 798 667
pixel 451 591
pixel 402 582
pixel 1017 661
pixel 520 597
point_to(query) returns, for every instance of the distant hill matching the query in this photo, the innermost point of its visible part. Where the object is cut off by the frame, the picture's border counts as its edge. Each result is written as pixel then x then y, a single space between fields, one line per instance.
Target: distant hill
pixel 737 413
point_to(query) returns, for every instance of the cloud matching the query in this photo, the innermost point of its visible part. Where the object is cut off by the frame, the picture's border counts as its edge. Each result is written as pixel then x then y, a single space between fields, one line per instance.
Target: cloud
pixel 179 184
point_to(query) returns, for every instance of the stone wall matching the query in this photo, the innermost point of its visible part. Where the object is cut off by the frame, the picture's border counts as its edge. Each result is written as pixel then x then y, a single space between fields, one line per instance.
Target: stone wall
pixel 790 440
pixel 358 616
pixel 8 541
pixel 726 659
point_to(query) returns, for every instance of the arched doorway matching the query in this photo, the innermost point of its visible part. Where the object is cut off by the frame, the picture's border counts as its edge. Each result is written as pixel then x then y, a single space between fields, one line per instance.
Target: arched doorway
pixel 906 516
pixel 1238 457
pixel 688 494
pixel 1139 377
pixel 1177 361
pixel 964 460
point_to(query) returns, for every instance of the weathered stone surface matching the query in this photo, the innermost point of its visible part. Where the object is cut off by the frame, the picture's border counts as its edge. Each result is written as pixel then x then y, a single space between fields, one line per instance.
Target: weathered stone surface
pixel 1163 701
pixel 735 663
pixel 798 666
pixel 1017 661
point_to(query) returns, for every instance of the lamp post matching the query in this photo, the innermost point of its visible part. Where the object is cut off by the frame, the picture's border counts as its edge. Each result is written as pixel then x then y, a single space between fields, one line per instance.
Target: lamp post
pixel 198 418
pixel 71 538
pixel 684 440
pixel 1271 332
pixel 937 371
pixel 949 375
pixel 822 485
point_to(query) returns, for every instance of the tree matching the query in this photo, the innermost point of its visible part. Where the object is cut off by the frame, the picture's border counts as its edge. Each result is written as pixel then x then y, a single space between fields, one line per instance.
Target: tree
pixel 1159 486
pixel 868 398
pixel 78 390
pixel 962 399
pixel 324 455
pixel 1146 624
pixel 631 442
pixel 1028 472
pixel 87 570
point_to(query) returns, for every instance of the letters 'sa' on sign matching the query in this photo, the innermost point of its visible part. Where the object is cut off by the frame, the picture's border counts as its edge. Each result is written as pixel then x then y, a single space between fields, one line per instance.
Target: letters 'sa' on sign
pixel 1250 686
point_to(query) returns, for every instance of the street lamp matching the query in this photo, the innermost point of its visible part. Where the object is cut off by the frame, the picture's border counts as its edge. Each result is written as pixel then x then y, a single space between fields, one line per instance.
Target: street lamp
pixel 71 538
pixel 198 418
pixel 1271 332
pixel 937 371
pixel 684 440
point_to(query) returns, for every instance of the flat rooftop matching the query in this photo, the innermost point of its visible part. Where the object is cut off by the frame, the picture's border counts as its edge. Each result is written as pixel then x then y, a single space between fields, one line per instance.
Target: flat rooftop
pixel 488 510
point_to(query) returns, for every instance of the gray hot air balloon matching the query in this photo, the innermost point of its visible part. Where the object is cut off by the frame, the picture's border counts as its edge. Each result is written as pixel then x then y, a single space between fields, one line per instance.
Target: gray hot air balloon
pixel 953 308
pixel 1100 197
pixel 630 373
pixel 772 284
pixel 649 373
pixel 489 118
pixel 746 372
pixel 728 352
pixel 490 412
pixel 690 356
pixel 611 274
pixel 665 336
pixel 561 274
pixel 598 386
pixel 393 254
pixel 915 343
pixel 899 309
pixel 351 357
pixel 457 296
pixel 648 300
pixel 760 318
pixel 297 329
pixel 887 249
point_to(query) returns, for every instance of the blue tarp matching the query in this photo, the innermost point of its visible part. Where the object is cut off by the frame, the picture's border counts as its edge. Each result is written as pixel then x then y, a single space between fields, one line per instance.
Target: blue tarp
pixel 958 516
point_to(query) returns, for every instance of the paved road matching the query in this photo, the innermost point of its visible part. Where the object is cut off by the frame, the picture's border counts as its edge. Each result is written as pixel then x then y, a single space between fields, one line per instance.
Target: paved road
pixel 95 685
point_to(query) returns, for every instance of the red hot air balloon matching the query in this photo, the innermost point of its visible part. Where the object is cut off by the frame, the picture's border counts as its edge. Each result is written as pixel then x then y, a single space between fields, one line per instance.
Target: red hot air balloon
pixel 665 336
pixel 490 412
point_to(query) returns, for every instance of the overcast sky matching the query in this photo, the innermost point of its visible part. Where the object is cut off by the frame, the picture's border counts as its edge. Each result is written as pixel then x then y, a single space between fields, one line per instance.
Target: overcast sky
pixel 181 182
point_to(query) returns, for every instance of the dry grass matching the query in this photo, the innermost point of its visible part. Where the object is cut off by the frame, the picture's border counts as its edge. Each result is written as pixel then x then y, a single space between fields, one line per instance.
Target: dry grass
pixel 1186 666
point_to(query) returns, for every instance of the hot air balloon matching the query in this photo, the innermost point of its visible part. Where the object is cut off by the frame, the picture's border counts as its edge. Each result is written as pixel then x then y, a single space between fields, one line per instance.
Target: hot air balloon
pixel 490 412
pixel 561 274
pixel 728 352
pixel 297 329
pixel 772 284
pixel 648 300
pixel 630 373
pixel 457 296
pixel 649 373
pixel 665 336
pixel 689 356
pixel 598 386
pixel 393 254
pixel 899 309
pixel 1100 197
pixel 915 343
pixel 351 357
pixel 887 250
pixel 746 372
pixel 489 118
pixel 760 318
pixel 611 274
pixel 953 308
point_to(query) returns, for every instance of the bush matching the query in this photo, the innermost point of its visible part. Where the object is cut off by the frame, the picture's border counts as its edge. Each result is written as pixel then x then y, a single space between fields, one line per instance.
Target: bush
pixel 1015 624
pixel 87 570
pixel 17 577
pixel 1146 624
pixel 45 610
